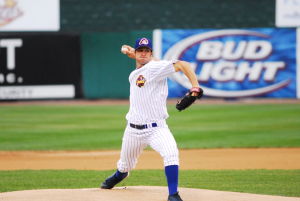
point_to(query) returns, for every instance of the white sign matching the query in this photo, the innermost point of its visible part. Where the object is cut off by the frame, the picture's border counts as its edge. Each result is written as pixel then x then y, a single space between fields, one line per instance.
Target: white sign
pixel 29 15
pixel 37 92
pixel 287 13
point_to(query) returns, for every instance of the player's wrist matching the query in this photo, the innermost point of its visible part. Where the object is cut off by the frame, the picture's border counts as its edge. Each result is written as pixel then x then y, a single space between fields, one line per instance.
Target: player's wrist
pixel 195 89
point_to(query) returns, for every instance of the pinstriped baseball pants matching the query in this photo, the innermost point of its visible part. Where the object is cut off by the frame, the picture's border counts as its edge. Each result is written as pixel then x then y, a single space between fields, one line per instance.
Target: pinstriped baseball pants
pixel 135 141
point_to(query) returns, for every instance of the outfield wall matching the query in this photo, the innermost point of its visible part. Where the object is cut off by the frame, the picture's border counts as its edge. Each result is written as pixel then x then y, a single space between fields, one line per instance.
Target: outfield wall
pixel 72 50
pixel 229 63
pixel 65 66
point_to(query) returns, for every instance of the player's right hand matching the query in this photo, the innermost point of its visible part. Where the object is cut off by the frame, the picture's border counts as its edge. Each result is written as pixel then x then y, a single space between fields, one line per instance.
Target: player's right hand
pixel 128 50
pixel 124 49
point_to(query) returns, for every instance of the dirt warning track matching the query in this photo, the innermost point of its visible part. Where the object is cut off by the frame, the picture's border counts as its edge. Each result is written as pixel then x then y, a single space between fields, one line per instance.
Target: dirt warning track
pixel 261 158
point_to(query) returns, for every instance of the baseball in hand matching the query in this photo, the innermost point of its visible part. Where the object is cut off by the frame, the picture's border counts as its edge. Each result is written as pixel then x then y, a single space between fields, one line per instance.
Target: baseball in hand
pixel 124 50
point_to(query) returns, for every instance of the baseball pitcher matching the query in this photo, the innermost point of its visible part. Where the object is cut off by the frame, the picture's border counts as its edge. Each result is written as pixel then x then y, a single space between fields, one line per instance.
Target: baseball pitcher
pixel 146 119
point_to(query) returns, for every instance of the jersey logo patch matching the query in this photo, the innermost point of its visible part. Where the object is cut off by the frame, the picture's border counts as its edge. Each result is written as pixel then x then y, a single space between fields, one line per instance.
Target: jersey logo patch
pixel 140 81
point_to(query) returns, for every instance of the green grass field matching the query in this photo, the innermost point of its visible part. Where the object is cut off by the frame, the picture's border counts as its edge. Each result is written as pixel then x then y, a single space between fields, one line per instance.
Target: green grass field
pixel 273 182
pixel 101 127
pixel 72 127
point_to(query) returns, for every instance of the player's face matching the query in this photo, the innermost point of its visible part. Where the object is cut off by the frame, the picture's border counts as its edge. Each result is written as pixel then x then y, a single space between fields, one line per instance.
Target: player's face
pixel 143 56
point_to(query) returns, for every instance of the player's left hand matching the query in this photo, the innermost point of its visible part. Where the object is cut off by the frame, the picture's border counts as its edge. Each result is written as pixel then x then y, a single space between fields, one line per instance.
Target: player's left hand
pixel 190 97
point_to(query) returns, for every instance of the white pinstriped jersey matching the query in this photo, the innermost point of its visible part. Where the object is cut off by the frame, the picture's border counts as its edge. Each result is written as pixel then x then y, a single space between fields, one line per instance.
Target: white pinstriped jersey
pixel 148 95
pixel 149 91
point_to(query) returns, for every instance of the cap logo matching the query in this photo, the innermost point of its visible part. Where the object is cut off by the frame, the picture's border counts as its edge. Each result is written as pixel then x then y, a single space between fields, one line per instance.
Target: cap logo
pixel 144 41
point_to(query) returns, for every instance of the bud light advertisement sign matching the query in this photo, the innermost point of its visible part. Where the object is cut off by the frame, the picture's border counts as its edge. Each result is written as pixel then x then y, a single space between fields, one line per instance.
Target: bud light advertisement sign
pixel 233 63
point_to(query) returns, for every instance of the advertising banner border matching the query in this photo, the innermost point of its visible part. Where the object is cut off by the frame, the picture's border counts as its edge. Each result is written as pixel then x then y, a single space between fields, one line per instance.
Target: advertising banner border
pixel 157 42
pixel 298 62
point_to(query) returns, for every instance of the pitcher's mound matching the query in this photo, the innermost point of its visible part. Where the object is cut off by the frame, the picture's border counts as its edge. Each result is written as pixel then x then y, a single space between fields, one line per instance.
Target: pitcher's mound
pixel 134 193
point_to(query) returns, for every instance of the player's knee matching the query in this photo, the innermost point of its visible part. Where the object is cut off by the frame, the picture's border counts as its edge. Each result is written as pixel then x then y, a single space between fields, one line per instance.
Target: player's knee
pixel 172 159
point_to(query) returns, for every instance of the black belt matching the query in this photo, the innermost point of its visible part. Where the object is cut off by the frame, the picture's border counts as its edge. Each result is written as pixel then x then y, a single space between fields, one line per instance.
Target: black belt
pixel 143 126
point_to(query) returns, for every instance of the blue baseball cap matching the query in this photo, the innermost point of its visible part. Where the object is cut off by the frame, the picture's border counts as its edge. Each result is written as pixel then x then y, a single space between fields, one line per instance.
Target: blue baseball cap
pixel 143 42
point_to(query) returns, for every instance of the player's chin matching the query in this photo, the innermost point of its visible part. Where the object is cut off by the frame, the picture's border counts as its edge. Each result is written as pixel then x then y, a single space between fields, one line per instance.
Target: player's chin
pixel 144 61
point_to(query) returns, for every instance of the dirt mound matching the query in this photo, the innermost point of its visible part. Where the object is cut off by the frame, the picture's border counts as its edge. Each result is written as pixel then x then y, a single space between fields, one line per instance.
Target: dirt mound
pixel 134 193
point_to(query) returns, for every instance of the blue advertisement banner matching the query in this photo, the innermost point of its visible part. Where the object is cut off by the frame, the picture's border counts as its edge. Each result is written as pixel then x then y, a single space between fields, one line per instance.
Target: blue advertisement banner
pixel 233 63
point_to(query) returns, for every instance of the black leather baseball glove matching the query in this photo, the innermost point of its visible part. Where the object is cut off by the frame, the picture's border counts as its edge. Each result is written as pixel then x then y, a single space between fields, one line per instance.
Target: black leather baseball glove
pixel 189 99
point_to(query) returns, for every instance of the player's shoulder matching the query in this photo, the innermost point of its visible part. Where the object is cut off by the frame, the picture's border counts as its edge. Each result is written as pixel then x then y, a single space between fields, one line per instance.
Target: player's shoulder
pixel 157 62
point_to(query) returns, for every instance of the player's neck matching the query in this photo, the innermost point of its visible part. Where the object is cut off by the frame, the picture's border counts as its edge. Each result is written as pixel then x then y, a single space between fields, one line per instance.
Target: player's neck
pixel 139 65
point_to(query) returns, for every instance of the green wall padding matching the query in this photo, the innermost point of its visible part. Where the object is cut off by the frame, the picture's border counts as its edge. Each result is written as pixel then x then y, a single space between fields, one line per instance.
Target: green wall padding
pixel 105 70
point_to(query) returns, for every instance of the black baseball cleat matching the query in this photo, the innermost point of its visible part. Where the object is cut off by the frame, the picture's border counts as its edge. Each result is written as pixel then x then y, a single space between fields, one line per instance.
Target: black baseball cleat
pixel 174 197
pixel 111 181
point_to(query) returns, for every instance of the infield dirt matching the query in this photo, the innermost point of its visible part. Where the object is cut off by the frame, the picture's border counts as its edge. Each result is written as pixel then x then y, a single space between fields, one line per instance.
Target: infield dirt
pixel 260 158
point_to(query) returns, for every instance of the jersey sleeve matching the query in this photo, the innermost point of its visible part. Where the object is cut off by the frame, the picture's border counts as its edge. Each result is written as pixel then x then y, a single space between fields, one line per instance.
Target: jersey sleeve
pixel 162 69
